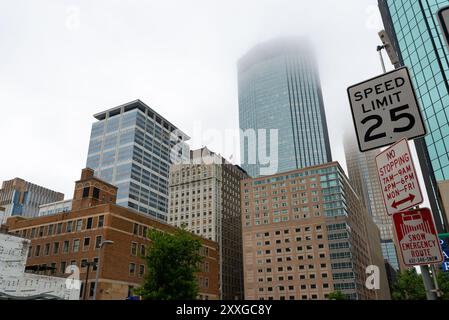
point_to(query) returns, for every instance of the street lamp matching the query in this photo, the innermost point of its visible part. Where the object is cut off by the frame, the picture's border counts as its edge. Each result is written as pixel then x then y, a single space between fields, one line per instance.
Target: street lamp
pixel 98 265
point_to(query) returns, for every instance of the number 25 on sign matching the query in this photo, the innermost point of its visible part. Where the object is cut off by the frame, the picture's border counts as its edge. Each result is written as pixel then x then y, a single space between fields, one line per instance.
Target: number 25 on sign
pixel 385 110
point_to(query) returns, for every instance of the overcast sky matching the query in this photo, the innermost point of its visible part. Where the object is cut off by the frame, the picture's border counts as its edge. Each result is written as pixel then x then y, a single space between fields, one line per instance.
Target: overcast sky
pixel 63 61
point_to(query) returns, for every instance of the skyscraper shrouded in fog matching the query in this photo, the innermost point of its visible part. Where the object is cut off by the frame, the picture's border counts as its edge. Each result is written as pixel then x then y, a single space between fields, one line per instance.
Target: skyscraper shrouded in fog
pixel 131 147
pixel 413 29
pixel 279 88
pixel 363 176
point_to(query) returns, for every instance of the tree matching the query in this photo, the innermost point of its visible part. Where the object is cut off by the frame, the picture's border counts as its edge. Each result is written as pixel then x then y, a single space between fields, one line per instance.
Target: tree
pixel 336 295
pixel 443 283
pixel 409 286
pixel 173 261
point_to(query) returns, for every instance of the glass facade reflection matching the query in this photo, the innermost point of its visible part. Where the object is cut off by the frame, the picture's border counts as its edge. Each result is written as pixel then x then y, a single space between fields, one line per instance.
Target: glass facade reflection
pixel 422 47
pixel 413 28
pixel 130 147
pixel 279 88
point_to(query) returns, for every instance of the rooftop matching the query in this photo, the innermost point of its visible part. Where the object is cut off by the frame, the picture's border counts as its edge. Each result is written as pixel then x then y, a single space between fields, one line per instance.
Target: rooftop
pixel 138 104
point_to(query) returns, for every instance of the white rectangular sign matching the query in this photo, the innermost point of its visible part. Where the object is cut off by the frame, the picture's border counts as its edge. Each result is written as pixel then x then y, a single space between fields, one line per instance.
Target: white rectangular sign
pixel 398 179
pixel 443 18
pixel 385 109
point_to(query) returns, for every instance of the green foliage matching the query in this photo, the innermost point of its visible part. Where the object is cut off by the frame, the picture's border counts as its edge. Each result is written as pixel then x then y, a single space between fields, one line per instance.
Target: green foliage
pixel 443 283
pixel 336 295
pixel 409 286
pixel 173 261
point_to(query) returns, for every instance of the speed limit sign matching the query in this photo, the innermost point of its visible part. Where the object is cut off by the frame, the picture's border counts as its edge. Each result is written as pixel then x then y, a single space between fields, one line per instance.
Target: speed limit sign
pixel 385 110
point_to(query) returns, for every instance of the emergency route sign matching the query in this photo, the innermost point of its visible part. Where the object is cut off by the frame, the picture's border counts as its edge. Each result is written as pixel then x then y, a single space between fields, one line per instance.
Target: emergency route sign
pixel 417 237
pixel 398 179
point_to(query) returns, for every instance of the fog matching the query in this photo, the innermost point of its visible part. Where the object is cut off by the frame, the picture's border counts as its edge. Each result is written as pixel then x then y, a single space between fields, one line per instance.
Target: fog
pixel 63 61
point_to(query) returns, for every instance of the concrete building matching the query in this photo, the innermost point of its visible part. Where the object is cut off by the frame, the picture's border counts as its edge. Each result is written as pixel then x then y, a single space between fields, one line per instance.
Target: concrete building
pixel 23 198
pixel 413 29
pixel 132 146
pixel 305 235
pixel 55 207
pixel 362 173
pixel 73 238
pixel 205 199
pixel 279 88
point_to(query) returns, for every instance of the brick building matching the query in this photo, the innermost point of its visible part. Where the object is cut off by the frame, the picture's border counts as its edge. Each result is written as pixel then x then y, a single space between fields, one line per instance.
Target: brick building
pixel 73 238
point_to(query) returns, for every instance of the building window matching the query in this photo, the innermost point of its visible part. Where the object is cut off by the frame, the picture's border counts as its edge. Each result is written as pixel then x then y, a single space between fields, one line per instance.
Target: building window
pixel 37 251
pixel 97 242
pixel 141 270
pixel 63 266
pixel 76 245
pixel 142 250
pixel 66 245
pixel 47 249
pixel 100 221
pixel 133 248
pixel 50 230
pixel 96 193
pixel 94 268
pixel 83 263
pixel 86 192
pixel 59 228
pixel 91 289
pixel 33 233
pixel 86 244
pixel 89 223
pixel 55 248
pixel 135 228
pixel 132 269
pixel 69 226
pixel 79 224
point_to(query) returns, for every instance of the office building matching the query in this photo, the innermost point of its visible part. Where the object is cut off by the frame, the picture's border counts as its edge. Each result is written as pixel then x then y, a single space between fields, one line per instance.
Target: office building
pixel 22 198
pixel 205 199
pixel 362 173
pixel 444 194
pixel 74 238
pixel 132 147
pixel 55 207
pixel 413 29
pixel 306 234
pixel 279 88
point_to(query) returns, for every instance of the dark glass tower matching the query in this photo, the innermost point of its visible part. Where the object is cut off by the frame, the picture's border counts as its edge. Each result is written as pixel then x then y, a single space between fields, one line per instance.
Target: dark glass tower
pixel 279 88
pixel 413 28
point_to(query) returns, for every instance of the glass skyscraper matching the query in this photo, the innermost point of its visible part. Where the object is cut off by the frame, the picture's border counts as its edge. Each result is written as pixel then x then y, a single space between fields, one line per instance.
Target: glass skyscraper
pixel 279 88
pixel 131 147
pixel 413 28
pixel 363 176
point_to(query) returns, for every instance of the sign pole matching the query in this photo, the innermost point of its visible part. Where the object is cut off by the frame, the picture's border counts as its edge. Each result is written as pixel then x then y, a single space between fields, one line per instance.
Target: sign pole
pixel 435 280
pixel 428 285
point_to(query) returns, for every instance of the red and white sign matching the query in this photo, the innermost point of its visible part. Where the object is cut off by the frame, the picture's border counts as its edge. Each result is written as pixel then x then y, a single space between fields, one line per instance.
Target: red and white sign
pixel 417 237
pixel 398 179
